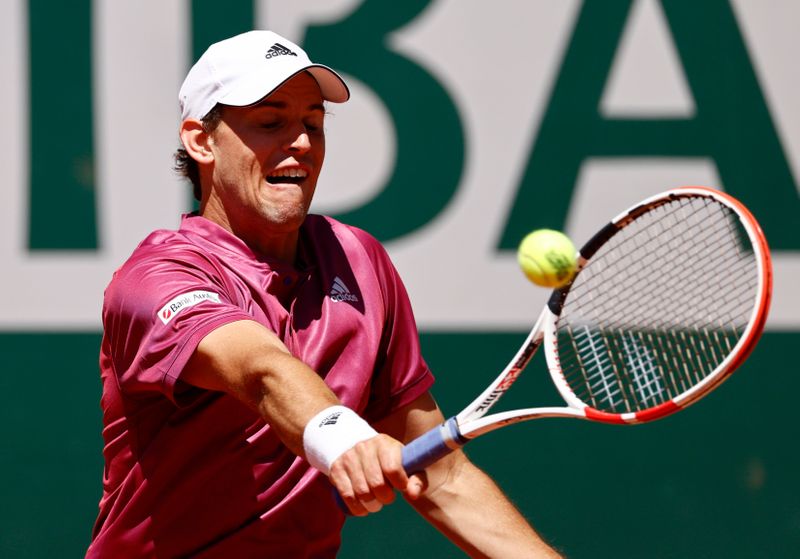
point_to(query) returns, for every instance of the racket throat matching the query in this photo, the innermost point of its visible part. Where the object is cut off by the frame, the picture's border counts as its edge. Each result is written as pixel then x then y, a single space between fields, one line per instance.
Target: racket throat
pixel 452 434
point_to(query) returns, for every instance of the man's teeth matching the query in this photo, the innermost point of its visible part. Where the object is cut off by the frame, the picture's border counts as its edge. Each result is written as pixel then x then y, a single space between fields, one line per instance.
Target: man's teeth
pixel 289 173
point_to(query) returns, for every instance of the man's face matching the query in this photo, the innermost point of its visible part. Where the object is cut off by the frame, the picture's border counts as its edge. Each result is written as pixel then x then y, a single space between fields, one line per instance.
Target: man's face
pixel 267 158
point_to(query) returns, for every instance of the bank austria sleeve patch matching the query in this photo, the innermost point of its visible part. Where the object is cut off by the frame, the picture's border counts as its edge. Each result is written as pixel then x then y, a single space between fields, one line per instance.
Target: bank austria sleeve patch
pixel 184 301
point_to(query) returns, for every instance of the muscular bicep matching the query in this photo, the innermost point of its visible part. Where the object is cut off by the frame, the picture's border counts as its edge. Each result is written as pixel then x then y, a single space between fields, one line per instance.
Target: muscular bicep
pixel 412 420
pixel 460 500
pixel 415 419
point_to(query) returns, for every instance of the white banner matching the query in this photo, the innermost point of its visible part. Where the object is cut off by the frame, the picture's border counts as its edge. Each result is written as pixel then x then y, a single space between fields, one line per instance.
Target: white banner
pixel 497 61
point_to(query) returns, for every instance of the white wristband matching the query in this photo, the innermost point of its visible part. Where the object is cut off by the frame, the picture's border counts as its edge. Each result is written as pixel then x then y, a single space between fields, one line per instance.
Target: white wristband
pixel 331 433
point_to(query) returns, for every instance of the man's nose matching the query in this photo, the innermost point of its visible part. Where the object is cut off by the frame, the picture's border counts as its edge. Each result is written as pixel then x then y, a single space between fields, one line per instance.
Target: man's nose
pixel 299 142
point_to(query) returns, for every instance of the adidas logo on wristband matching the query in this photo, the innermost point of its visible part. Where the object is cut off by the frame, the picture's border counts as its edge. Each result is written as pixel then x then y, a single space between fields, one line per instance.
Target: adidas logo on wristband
pixel 331 419
pixel 332 432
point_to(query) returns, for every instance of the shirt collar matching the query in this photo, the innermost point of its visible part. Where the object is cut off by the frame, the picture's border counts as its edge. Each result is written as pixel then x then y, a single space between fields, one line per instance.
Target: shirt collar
pixel 204 230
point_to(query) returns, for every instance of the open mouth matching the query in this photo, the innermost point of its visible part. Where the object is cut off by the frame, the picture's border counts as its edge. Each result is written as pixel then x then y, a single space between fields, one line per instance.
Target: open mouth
pixel 291 176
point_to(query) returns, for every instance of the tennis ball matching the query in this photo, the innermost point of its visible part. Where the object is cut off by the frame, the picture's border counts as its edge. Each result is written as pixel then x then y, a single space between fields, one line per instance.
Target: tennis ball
pixel 547 257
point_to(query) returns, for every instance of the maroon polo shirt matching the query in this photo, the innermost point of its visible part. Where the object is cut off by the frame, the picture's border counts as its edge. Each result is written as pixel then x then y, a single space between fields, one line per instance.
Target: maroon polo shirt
pixel 191 472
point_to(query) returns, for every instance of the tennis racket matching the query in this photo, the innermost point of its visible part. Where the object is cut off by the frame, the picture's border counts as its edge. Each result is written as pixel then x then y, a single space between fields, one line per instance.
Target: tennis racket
pixel 670 298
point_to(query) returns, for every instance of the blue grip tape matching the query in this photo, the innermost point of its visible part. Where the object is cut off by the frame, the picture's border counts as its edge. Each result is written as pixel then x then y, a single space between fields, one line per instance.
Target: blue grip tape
pixel 433 445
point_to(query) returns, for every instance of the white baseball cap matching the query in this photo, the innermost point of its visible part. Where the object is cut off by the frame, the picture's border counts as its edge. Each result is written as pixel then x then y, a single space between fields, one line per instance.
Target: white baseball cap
pixel 246 68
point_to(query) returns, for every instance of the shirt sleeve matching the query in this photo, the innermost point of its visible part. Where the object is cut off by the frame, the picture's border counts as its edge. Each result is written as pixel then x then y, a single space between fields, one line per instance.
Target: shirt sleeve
pixel 401 374
pixel 156 311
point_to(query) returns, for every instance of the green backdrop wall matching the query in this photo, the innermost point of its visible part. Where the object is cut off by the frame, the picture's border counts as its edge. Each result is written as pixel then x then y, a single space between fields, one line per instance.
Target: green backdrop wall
pixel 719 480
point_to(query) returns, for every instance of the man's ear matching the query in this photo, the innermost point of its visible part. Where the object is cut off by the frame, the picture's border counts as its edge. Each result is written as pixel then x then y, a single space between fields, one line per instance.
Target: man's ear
pixel 196 141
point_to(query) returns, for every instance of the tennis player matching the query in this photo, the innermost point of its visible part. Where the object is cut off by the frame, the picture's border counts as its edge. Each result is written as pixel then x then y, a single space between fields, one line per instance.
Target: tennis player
pixel 259 356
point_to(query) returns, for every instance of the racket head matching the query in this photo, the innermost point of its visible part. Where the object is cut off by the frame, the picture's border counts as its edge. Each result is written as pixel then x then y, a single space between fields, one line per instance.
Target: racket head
pixel 670 298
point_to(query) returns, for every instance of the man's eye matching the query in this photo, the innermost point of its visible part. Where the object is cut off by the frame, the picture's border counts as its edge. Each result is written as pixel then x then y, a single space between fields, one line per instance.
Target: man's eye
pixel 270 125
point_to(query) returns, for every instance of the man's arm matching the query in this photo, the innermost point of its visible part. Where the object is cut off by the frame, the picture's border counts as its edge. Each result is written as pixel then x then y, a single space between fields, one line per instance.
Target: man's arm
pixel 460 500
pixel 248 361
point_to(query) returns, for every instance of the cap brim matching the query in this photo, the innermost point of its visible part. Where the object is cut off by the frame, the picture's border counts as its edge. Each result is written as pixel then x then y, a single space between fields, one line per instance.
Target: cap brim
pixel 331 85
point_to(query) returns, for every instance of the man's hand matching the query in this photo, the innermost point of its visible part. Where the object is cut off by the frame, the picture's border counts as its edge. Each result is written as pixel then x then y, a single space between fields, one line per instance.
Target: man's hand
pixel 368 474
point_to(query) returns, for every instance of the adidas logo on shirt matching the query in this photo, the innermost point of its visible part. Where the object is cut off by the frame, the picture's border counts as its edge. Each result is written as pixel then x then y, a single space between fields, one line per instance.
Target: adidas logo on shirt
pixel 339 292
pixel 278 50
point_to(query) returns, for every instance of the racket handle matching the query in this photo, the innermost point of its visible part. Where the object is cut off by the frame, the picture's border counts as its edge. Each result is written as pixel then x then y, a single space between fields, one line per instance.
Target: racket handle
pixel 433 445
pixel 425 450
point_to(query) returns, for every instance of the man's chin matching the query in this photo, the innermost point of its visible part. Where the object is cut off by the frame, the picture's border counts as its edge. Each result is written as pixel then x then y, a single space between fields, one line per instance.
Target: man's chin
pixel 287 220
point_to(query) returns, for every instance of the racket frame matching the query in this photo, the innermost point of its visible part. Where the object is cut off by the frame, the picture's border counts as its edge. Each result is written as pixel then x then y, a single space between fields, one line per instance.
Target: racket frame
pixel 473 420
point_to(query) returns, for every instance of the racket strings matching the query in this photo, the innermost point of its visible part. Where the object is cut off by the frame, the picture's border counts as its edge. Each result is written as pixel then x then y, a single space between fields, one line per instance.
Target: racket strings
pixel 659 307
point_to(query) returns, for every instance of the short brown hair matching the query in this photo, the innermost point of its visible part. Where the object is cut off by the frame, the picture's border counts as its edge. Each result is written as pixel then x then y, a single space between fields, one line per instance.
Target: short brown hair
pixel 184 164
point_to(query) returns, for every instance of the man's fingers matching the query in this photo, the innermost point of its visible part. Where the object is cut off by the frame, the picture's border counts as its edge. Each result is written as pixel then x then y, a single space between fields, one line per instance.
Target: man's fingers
pixel 367 474
pixel 341 482
pixel 417 484
pixel 371 459
pixel 391 461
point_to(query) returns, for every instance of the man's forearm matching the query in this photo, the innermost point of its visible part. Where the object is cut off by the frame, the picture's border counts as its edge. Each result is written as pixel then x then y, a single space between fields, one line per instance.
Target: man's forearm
pixel 249 362
pixel 469 508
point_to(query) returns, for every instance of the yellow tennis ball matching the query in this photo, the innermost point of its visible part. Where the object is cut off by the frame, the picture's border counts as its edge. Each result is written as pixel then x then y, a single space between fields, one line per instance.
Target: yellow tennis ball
pixel 547 257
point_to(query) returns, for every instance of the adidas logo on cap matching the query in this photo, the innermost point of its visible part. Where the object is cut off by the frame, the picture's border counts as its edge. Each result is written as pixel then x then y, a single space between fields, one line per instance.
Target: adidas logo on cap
pixel 339 292
pixel 278 50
